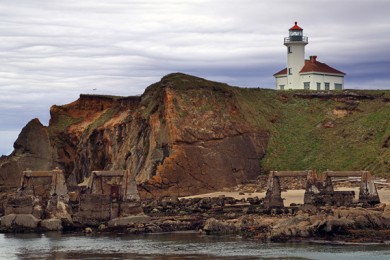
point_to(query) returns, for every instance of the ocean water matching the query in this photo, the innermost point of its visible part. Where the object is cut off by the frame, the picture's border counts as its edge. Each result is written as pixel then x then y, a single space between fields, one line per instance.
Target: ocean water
pixel 175 246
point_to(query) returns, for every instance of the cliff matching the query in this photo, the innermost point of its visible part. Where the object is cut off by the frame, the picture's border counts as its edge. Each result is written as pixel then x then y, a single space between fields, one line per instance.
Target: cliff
pixel 186 135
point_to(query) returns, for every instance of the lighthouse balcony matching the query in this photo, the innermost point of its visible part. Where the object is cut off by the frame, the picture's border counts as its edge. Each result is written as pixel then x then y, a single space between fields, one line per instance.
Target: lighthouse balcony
pixel 290 39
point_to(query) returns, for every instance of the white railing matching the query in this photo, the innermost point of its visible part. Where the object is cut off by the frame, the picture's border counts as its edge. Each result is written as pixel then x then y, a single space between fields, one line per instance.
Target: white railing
pixel 304 39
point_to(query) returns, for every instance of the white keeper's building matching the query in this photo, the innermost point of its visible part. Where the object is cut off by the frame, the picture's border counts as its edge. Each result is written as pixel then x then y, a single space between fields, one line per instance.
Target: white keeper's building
pixel 305 74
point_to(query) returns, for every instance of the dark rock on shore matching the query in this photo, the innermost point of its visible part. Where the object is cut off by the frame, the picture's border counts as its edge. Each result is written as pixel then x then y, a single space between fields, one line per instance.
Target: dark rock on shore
pixel 327 223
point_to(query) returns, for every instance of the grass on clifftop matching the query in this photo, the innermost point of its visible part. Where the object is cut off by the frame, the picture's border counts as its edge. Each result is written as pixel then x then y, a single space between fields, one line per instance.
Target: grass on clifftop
pixel 63 122
pixel 321 134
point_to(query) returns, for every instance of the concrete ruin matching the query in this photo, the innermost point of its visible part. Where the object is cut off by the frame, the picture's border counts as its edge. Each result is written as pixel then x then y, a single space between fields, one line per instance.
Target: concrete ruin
pixel 273 196
pixel 43 201
pixel 42 195
pixel 326 195
pixel 108 195
pixel 320 191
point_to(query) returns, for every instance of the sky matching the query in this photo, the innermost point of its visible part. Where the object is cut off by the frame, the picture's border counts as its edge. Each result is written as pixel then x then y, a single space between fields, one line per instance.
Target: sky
pixel 52 51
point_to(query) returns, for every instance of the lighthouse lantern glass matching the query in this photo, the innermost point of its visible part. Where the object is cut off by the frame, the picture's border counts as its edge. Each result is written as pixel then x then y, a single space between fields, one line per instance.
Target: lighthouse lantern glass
pixel 296 35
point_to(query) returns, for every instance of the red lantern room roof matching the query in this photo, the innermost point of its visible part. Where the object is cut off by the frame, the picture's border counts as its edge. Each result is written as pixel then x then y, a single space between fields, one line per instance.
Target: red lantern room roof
pixel 296 27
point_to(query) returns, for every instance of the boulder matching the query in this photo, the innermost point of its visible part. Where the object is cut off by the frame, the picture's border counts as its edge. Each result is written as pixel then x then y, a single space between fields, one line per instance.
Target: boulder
pixel 291 227
pixel 26 220
pixel 214 226
pixel 20 220
pixel 102 227
pixel 88 230
pixel 362 222
pixel 337 225
pixel 52 224
pixel 292 222
pixel 386 216
pixel 386 212
pixel 8 220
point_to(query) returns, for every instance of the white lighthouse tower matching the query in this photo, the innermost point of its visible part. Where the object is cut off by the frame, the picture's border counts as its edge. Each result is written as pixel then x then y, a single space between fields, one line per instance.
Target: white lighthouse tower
pixel 305 74
pixel 295 44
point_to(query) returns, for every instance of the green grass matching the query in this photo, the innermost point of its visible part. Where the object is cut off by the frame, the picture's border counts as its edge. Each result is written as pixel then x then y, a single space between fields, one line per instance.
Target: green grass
pixel 298 141
pixel 63 122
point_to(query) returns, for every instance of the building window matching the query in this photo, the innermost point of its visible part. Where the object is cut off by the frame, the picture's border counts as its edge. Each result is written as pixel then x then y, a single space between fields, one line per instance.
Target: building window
pixel 289 49
pixel 326 85
pixel 318 85
pixel 289 71
pixel 306 85
pixel 338 86
pixel 281 87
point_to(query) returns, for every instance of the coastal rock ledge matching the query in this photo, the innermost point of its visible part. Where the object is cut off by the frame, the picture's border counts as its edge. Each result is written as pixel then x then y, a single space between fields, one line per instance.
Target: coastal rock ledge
pixel 353 224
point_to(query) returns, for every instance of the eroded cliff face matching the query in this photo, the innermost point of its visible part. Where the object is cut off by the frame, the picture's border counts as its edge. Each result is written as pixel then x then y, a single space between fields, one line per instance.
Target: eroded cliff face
pixel 183 136
pixel 179 139
pixel 200 141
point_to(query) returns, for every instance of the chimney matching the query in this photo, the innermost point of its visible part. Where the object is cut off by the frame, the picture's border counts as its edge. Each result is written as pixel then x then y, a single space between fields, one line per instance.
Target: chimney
pixel 313 59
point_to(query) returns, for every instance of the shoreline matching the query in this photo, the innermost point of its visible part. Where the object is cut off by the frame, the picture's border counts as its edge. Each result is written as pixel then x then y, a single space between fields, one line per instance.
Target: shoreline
pixel 241 214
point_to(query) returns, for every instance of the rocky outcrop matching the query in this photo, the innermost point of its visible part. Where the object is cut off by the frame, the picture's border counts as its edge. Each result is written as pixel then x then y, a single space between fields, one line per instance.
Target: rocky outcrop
pixel 32 150
pixel 325 223
pixel 52 224
pixel 330 222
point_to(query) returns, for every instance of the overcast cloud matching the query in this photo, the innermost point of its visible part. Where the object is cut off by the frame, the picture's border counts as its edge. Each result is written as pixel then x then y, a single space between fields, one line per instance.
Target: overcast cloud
pixel 51 51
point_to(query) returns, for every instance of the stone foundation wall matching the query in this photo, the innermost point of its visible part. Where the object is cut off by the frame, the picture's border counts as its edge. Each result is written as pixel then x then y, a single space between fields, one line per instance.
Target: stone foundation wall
pixel 336 198
pixel 19 205
pixel 93 208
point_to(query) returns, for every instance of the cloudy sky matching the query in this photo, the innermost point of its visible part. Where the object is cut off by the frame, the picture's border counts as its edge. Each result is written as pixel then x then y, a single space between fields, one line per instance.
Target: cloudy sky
pixel 51 50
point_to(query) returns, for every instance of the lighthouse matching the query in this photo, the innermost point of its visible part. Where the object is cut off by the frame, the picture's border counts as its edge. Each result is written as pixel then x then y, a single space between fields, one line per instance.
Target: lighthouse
pixel 295 44
pixel 305 74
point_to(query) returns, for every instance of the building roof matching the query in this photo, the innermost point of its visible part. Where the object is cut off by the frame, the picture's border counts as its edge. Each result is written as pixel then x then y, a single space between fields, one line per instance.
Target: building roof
pixel 296 27
pixel 281 73
pixel 313 65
